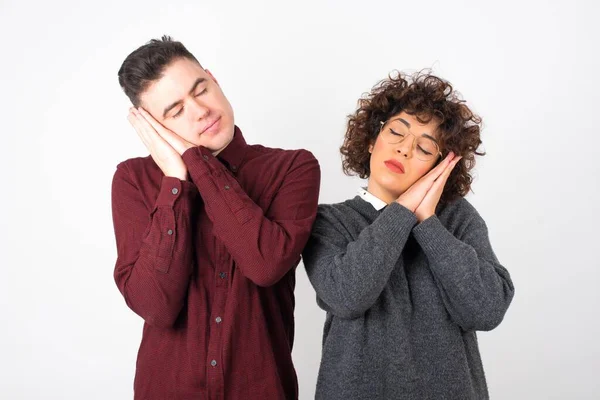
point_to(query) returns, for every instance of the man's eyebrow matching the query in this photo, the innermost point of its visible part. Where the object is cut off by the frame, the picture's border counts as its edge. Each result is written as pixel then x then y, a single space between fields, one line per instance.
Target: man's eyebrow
pixel 195 85
pixel 170 107
pixel 405 122
pixel 176 103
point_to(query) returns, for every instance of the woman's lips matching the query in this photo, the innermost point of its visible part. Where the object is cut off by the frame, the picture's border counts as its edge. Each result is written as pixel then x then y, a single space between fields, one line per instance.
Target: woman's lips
pixel 395 166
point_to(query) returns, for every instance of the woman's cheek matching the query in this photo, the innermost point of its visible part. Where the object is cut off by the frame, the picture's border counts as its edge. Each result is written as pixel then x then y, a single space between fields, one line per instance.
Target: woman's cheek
pixel 423 170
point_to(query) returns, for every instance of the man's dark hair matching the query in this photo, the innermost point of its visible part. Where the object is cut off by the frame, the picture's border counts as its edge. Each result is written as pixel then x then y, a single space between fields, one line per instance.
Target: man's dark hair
pixel 146 64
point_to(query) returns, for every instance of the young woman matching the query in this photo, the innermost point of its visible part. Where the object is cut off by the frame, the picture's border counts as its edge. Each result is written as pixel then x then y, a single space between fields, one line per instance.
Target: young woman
pixel 405 270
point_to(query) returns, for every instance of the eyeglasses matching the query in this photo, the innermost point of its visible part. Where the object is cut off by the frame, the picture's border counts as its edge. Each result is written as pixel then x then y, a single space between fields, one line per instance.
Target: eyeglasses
pixel 394 132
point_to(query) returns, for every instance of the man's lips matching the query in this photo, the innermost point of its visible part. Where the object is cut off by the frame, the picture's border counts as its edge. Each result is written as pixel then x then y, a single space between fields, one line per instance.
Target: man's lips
pixel 210 125
pixel 395 166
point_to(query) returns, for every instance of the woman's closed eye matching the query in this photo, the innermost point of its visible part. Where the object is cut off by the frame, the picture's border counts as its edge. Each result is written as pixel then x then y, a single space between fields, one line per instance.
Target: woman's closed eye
pixel 396 133
pixel 424 151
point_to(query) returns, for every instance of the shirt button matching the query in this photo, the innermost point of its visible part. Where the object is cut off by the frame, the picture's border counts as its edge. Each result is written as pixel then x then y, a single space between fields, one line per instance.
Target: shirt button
pixel 205 157
pixel 213 363
pixel 222 275
pixel 170 232
pixel 234 168
pixel 174 191
pixel 218 320
pixel 227 187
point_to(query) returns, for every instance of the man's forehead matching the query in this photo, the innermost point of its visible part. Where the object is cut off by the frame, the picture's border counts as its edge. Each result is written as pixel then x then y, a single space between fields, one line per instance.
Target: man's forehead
pixel 176 80
pixel 167 90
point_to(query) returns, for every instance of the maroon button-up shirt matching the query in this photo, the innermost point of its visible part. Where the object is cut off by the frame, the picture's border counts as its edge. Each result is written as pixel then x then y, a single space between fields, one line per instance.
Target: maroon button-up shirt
pixel 209 265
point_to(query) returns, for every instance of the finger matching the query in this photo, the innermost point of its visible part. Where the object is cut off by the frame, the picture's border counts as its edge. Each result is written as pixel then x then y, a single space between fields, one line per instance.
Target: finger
pixel 148 134
pixel 149 131
pixel 446 174
pixel 425 183
pixel 166 133
pixel 448 163
pixel 452 165
pixel 441 167
pixel 437 188
pixel 150 119
pixel 158 127
pixel 138 128
pixel 174 140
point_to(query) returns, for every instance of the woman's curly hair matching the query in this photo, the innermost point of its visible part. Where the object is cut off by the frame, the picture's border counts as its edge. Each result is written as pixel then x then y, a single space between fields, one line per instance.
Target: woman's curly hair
pixel 426 97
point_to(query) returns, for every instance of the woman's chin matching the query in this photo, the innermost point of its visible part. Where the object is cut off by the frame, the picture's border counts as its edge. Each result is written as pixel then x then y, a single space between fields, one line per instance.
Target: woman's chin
pixel 392 186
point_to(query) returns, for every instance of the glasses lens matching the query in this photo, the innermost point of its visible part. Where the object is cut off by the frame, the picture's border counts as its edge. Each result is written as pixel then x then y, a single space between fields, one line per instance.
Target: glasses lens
pixel 395 132
pixel 426 149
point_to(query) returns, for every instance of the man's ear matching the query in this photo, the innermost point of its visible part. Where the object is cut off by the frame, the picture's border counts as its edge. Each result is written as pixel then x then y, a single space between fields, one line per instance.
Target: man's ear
pixel 212 77
pixel 371 148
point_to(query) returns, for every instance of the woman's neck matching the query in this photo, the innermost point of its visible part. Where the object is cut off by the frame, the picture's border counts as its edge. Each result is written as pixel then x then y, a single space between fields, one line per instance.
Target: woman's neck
pixel 380 193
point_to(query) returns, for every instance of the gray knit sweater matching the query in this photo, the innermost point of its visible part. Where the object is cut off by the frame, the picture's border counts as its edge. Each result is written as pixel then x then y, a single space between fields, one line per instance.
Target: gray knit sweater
pixel 404 300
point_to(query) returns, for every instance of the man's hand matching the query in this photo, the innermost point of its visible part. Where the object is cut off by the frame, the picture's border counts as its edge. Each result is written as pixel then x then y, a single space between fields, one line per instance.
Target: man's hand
pixel 177 142
pixel 416 194
pixel 164 155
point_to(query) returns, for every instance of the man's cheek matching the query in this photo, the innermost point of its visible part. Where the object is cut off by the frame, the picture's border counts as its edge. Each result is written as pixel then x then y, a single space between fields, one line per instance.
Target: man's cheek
pixel 177 129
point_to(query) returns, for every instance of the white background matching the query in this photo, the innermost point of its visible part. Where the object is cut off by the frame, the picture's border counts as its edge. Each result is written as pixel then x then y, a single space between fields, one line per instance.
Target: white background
pixel 292 72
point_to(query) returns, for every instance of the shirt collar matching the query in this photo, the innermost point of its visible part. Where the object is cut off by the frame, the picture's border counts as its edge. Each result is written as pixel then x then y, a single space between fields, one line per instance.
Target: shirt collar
pixel 375 201
pixel 235 151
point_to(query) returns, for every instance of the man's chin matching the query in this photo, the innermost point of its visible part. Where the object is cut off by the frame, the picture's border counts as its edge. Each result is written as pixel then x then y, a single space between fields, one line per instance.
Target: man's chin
pixel 215 146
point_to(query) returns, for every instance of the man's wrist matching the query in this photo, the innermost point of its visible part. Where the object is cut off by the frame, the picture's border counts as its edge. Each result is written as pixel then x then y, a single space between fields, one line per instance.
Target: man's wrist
pixel 182 176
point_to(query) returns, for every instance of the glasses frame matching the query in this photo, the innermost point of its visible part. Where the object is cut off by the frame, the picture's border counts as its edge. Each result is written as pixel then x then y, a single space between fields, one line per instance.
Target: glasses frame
pixel 414 144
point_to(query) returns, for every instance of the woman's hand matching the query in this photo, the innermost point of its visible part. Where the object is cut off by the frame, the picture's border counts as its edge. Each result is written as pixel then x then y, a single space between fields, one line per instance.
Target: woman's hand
pixel 427 207
pixel 415 195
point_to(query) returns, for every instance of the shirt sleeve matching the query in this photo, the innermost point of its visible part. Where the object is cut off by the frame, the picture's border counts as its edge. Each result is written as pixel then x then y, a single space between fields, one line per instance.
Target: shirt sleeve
pixel 264 245
pixel 154 246
pixel 475 287
pixel 349 276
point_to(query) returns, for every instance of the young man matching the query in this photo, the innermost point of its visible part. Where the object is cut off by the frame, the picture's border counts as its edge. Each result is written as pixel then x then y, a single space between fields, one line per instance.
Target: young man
pixel 209 231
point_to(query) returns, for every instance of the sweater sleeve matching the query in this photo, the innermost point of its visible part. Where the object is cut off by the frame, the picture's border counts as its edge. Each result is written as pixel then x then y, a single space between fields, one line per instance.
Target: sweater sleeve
pixel 349 276
pixel 475 287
